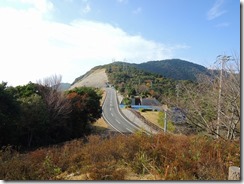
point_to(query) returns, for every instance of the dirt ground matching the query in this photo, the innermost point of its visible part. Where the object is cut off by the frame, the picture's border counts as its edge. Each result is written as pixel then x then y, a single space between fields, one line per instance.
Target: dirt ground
pixel 96 79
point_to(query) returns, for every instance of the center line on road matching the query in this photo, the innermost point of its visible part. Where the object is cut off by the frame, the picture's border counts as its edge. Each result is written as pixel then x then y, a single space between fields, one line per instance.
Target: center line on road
pixel 128 129
pixel 112 114
pixel 117 121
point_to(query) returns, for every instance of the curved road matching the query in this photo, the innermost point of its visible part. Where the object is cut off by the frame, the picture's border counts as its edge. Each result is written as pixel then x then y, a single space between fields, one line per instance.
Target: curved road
pixel 113 116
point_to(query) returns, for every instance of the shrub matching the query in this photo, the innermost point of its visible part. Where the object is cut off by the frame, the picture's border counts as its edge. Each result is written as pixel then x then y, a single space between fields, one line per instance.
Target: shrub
pixel 163 156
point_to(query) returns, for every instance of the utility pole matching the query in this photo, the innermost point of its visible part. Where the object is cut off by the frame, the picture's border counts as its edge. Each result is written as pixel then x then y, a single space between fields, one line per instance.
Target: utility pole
pixel 177 94
pixel 165 121
pixel 125 66
pixel 222 59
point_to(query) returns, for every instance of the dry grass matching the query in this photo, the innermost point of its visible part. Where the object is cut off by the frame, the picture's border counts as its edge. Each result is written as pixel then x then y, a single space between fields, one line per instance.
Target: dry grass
pixel 100 126
pixel 134 157
pixel 131 157
pixel 151 116
pixel 101 123
pixel 157 118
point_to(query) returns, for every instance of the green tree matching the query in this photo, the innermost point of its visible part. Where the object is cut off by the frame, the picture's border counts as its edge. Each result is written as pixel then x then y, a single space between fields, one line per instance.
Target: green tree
pixel 9 111
pixel 58 108
pixel 131 91
pixel 86 109
pixel 34 123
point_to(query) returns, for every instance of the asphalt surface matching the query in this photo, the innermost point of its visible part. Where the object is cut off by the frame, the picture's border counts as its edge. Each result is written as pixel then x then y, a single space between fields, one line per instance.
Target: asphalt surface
pixel 113 116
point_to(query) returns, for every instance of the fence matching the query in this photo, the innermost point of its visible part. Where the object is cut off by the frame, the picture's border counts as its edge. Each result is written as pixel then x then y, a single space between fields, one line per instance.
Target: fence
pixel 137 107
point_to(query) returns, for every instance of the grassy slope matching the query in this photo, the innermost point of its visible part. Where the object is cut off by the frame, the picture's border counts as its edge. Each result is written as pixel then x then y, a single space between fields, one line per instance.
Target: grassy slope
pixel 133 157
pixel 151 116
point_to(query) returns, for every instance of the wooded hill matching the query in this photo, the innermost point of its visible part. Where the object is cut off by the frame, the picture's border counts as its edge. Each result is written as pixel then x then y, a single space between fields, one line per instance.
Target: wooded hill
pixel 197 98
pixel 153 78
pixel 131 81
pixel 175 69
pixel 170 68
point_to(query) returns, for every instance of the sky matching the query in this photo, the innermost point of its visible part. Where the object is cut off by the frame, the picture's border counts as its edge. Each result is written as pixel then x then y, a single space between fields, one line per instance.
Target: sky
pixel 41 38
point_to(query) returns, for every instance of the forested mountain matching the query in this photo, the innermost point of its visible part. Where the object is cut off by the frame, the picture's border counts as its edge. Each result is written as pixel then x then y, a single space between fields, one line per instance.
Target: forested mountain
pixel 174 68
pixel 130 81
pixel 154 78
pixel 171 68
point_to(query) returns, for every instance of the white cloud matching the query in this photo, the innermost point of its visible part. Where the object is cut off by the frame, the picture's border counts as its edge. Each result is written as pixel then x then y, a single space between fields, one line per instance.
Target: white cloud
pixel 216 10
pixel 41 5
pixel 33 48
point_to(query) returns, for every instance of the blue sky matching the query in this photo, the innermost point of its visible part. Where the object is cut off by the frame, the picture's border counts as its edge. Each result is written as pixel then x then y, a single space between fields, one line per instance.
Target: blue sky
pixel 68 37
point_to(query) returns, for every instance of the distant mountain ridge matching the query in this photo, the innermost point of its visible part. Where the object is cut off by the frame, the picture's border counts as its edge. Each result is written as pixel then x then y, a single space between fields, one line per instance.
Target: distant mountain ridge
pixel 64 86
pixel 174 68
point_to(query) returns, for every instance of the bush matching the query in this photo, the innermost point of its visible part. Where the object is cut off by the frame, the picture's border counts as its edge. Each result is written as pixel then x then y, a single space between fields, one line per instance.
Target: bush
pixel 163 156
pixel 126 101
pixel 144 110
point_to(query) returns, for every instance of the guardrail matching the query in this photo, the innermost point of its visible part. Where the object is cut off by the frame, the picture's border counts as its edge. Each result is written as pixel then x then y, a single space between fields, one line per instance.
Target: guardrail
pixel 137 107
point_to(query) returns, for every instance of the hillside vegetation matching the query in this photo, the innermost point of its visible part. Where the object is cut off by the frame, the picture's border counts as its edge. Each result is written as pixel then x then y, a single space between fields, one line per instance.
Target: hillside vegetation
pixel 197 99
pixel 133 157
pixel 175 69
pixel 35 115
pixel 130 81
pixel 207 109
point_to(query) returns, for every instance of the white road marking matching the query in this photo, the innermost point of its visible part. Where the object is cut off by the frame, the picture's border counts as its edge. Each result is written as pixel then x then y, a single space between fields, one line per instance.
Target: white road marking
pixel 111 124
pixel 112 114
pixel 117 121
pixel 128 129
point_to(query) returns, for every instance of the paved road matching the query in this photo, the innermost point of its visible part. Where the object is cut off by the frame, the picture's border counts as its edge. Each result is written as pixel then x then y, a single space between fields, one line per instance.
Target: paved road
pixel 113 116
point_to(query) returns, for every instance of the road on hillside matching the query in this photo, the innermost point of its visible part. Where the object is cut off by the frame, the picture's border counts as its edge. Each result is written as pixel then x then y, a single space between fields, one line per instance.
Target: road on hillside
pixel 113 116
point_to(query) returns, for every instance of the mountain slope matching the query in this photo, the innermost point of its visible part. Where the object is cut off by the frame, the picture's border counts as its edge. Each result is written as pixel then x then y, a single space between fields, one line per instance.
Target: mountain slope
pixel 174 68
pixel 96 77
